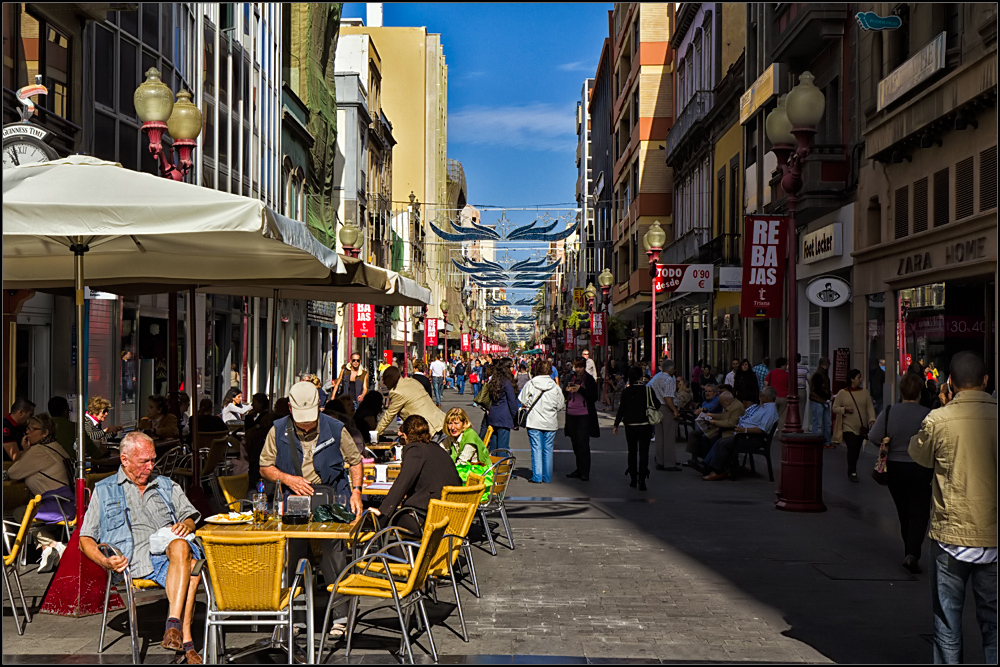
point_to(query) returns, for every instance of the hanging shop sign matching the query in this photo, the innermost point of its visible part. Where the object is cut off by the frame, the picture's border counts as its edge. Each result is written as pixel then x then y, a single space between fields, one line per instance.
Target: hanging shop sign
pixel 828 292
pixel 578 297
pixel 597 322
pixel 761 91
pixel 476 345
pixel 364 321
pixel 822 244
pixel 730 278
pixel 430 332
pixel 570 340
pixel 764 238
pixel 465 342
pixel 684 278
pixel 927 62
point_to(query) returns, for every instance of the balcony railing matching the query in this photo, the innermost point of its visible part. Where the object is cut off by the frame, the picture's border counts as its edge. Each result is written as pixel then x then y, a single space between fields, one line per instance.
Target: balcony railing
pixel 696 109
pixel 723 249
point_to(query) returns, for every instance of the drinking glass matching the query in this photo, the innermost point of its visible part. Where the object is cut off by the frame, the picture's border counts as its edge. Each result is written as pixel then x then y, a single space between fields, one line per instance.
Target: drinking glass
pixel 259 508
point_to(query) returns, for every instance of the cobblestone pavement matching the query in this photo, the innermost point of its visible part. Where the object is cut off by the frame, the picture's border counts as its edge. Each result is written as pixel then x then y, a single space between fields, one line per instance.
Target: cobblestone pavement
pixel 688 571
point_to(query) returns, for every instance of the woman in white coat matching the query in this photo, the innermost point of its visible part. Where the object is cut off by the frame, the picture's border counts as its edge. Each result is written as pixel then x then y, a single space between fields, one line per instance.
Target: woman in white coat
pixel 545 400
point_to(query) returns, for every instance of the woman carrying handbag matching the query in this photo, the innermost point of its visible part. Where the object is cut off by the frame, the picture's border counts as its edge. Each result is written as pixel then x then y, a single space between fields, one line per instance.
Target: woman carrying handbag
pixel 637 405
pixel 855 416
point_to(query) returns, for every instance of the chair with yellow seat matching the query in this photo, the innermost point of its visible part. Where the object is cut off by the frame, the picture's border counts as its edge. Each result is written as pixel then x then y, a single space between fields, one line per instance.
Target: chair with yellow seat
pixel 470 493
pixel 233 561
pixel 489 436
pixel 358 581
pixel 10 570
pixel 234 490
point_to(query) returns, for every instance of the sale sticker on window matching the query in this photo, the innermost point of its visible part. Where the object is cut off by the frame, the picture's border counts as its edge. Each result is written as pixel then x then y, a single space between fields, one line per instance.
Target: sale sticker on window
pixel 685 278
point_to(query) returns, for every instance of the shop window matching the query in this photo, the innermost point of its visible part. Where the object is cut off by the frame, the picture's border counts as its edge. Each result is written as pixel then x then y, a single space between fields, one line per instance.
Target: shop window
pixel 963 188
pixel 988 179
pixel 941 195
pixel 901 212
pixel 920 206
pixel 720 196
pixel 876 348
pixel 874 221
pixel 129 21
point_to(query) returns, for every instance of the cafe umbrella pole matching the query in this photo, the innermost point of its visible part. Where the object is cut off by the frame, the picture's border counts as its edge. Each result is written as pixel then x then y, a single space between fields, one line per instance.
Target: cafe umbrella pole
pixel 195 494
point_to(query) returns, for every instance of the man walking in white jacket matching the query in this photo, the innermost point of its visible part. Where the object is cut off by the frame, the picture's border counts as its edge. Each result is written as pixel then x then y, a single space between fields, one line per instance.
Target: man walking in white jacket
pixel 544 401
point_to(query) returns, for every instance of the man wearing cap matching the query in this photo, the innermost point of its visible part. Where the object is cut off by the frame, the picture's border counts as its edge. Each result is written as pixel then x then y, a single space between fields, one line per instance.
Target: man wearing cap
pixel 314 440
pixel 407 397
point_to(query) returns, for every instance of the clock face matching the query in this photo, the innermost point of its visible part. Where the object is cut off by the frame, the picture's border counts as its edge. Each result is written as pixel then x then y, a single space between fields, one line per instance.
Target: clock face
pixel 25 150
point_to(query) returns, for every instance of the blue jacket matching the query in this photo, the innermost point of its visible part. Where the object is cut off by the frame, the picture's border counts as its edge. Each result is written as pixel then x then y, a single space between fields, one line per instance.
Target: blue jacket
pixel 115 529
pixel 327 459
pixel 503 412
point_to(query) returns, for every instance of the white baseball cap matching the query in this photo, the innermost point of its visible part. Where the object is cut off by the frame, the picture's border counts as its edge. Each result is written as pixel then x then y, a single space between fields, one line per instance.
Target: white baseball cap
pixel 303 400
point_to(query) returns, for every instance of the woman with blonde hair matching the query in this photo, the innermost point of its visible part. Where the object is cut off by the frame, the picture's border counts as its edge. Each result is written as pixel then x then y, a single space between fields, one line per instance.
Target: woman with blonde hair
pixel 462 441
pixel 95 433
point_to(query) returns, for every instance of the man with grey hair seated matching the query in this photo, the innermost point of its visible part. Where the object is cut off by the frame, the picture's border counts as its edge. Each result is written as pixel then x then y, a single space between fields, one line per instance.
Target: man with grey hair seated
pixel 756 421
pixel 125 510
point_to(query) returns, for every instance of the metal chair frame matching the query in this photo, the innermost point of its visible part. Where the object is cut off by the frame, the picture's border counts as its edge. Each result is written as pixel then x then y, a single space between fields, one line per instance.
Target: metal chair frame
pixel 10 564
pixel 502 472
pixel 749 444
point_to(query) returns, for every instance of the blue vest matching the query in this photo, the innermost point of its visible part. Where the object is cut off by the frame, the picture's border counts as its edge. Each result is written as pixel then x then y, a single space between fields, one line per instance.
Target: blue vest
pixel 327 459
pixel 115 529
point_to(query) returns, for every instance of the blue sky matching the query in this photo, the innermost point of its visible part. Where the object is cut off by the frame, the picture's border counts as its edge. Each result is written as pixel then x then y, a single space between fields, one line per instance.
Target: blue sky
pixel 514 75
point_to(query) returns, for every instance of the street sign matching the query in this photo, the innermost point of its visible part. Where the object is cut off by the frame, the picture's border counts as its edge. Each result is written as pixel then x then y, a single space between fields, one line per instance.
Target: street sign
pixel 430 332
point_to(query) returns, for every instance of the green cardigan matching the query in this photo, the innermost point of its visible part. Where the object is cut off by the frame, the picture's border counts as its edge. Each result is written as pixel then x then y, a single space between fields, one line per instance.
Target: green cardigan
pixel 468 437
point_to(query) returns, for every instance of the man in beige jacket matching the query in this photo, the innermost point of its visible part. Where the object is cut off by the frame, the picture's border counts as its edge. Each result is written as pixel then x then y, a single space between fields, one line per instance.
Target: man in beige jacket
pixel 407 397
pixel 718 426
pixel 959 441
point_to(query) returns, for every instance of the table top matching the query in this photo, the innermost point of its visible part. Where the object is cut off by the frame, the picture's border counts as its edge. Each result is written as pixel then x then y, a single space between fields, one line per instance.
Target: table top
pixel 382 445
pixel 377 489
pixel 274 527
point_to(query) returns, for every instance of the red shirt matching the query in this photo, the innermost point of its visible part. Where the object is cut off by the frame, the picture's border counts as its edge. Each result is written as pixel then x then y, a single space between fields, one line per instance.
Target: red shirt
pixel 778 378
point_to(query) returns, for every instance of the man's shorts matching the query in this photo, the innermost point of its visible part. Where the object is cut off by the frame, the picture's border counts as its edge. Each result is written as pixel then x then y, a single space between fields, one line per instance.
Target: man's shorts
pixel 161 563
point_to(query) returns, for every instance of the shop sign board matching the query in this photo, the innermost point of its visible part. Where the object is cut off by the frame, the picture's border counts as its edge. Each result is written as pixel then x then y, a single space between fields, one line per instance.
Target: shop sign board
pixel 89 294
pixel 841 365
pixel 364 321
pixel 684 278
pixel 430 332
pixel 597 329
pixel 926 63
pixel 387 356
pixel 822 244
pixel 570 340
pixel 761 91
pixel 828 292
pixel 578 297
pixel 764 238
pixel 730 278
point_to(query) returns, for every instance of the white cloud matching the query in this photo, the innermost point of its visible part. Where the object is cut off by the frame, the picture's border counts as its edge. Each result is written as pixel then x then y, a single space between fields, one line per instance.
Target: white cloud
pixel 578 66
pixel 545 127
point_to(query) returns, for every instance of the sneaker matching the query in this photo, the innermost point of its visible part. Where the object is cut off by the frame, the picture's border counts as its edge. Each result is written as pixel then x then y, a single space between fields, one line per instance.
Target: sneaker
pixel 338 631
pixel 50 560
pixel 911 564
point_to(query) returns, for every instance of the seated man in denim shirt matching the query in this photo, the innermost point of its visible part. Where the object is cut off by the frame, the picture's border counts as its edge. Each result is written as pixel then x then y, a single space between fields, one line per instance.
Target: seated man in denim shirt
pixel 711 403
pixel 757 420
pixel 125 510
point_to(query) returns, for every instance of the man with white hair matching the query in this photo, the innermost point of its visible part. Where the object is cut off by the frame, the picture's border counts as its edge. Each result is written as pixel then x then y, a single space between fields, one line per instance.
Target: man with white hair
pixel 125 510
pixel 664 385
pixel 756 421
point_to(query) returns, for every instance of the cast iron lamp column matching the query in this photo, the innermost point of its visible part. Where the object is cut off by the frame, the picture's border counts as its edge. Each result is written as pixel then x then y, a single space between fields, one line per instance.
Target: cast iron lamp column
pixel 654 239
pixel 791 127
pixel 606 280
pixel 444 316
pixel 349 235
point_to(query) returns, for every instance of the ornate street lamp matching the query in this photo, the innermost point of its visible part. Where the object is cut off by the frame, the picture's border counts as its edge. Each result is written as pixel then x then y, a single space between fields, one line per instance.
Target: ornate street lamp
pixel 590 293
pixel 349 235
pixel 444 316
pixel 606 280
pixel 156 108
pixel 791 127
pixel 654 239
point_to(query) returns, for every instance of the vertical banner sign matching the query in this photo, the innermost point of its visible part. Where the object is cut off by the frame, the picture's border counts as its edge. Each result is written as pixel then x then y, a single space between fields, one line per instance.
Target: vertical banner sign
pixel 570 340
pixel 764 239
pixel 387 355
pixel 430 332
pixel 476 345
pixel 841 366
pixel 578 297
pixel 465 342
pixel 364 321
pixel 597 329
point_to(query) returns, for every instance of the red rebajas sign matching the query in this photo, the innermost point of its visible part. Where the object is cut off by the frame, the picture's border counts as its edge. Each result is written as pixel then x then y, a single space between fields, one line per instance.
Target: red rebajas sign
pixel 764 239
pixel 364 321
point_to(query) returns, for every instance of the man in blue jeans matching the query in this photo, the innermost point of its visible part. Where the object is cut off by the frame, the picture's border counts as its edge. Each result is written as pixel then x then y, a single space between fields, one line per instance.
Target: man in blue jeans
pixel 439 371
pixel 819 400
pixel 460 377
pixel 959 442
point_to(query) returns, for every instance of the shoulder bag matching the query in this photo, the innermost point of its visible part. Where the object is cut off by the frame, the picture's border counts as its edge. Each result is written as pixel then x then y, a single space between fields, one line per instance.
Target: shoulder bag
pixel 522 412
pixel 879 474
pixel 483 398
pixel 864 429
pixel 323 494
pixel 653 416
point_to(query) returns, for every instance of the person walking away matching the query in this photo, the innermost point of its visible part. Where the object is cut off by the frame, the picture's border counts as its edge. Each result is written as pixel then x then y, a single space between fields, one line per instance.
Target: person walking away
pixel 439 371
pixel 855 416
pixel 778 378
pixel 802 384
pixel 460 377
pixel 909 483
pixel 761 370
pixel 522 377
pixel 638 431
pixel 664 385
pixel 958 441
pixel 581 416
pixel 542 395
pixel 819 401
pixel 502 415
pixel 475 370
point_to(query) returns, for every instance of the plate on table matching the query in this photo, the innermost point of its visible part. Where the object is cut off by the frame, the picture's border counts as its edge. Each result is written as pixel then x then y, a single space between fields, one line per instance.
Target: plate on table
pixel 232 518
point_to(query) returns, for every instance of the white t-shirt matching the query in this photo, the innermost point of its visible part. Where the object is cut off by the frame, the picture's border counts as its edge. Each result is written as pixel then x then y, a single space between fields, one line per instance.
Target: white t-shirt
pixel 731 379
pixel 438 368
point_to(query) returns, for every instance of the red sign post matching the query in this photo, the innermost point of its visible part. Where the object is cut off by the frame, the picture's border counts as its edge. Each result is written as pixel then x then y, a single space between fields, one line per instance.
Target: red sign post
pixel 465 342
pixel 763 266
pixel 597 329
pixel 364 321
pixel 570 340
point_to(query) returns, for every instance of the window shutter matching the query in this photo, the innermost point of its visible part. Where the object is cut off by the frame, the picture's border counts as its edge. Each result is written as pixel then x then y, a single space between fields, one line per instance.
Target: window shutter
pixel 902 212
pixel 941 195
pixel 963 189
pixel 920 206
pixel 988 179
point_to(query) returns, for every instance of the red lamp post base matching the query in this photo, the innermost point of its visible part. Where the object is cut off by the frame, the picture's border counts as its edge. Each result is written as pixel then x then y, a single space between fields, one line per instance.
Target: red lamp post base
pixel 78 587
pixel 800 484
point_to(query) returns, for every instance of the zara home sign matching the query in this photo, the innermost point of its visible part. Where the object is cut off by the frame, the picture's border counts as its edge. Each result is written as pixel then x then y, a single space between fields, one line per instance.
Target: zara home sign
pixel 822 244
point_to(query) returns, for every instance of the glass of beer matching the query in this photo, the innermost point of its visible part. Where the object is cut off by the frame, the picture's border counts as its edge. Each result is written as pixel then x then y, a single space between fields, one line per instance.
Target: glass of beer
pixel 259 509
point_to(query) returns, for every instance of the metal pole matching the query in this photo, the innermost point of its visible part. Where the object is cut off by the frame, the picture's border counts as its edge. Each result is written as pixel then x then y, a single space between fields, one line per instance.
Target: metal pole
pixel 78 250
pixel 445 318
pixel 654 257
pixel 793 421
pixel 406 337
pixel 272 374
pixel 195 397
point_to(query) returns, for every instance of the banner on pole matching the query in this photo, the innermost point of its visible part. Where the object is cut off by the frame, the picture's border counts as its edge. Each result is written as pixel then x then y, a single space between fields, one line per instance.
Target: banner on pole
pixel 430 332
pixel 476 346
pixel 764 239
pixel 465 342
pixel 597 329
pixel 364 321
pixel 570 340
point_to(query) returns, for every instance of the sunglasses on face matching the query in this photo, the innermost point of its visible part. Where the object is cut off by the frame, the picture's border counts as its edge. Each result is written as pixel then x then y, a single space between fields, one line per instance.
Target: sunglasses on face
pixel 355 361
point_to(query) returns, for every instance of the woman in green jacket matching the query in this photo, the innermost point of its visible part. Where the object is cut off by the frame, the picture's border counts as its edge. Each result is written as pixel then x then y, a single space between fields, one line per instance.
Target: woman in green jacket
pixel 462 441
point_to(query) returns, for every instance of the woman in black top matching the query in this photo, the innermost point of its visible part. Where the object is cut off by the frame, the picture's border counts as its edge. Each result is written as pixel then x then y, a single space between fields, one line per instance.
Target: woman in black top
pixel 638 430
pixel 580 393
pixel 426 469
pixel 747 388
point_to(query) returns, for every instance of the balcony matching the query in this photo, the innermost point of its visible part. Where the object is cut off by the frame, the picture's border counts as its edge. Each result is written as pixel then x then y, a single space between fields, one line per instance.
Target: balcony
pixel 824 181
pixel 724 249
pixel 804 29
pixel 638 282
pixel 685 248
pixel 694 111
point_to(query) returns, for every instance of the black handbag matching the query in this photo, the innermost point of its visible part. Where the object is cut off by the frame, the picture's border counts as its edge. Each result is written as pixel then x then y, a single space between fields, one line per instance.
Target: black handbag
pixel 323 494
pixel 864 429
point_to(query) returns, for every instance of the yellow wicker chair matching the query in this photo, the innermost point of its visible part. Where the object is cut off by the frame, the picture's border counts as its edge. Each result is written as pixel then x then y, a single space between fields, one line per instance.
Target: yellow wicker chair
pixel 10 563
pixel 235 560
pixel 466 494
pixel 356 581
pixel 234 489
pixel 489 436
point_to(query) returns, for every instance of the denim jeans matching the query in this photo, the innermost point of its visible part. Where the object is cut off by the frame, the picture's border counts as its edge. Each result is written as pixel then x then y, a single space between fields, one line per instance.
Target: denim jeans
pixel 542 443
pixel 820 420
pixel 500 438
pixel 437 384
pixel 460 384
pixel 950 579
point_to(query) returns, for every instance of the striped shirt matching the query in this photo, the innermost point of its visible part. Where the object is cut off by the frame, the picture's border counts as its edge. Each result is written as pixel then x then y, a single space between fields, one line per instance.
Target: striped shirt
pixel 974 555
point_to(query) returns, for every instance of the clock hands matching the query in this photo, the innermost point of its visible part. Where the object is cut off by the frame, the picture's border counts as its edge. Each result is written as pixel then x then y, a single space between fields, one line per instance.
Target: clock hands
pixel 13 156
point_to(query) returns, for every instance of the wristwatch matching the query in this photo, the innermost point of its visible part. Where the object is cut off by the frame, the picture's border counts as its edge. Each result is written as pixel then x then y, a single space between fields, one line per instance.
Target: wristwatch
pixel 358 488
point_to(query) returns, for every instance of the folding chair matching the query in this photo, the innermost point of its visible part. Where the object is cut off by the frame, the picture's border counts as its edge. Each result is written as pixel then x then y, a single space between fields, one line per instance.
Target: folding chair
pixel 502 471
pixel 10 570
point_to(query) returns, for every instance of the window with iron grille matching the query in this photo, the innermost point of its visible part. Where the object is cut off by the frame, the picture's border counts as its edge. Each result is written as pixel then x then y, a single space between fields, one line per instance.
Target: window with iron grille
pixel 902 212
pixel 941 197
pixel 920 206
pixel 988 179
pixel 963 189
